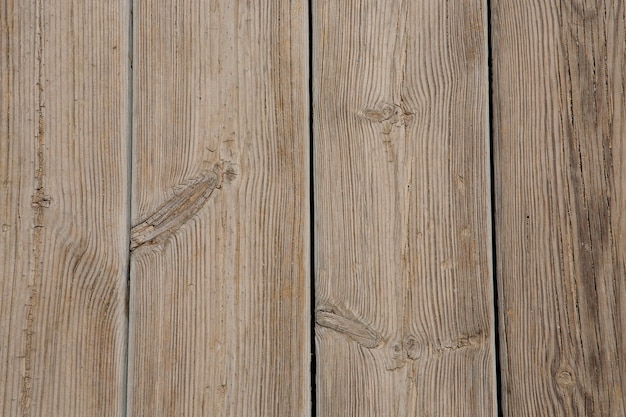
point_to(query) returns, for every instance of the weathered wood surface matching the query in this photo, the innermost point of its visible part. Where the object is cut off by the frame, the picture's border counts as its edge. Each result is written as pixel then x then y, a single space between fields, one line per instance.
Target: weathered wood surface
pixel 63 207
pixel 219 308
pixel 560 166
pixel 404 304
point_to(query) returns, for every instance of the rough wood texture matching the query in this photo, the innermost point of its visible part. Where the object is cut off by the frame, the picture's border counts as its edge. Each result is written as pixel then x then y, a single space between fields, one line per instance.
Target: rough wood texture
pixel 560 149
pixel 220 264
pixel 63 207
pixel 402 246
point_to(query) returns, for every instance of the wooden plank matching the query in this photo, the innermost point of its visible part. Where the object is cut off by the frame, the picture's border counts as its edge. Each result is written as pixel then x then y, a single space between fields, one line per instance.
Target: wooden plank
pixel 404 304
pixel 560 159
pixel 63 207
pixel 220 266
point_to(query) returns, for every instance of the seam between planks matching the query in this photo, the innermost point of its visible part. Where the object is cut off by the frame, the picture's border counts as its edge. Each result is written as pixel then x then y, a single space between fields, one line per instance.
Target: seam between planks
pixel 493 193
pixel 313 363
pixel 129 195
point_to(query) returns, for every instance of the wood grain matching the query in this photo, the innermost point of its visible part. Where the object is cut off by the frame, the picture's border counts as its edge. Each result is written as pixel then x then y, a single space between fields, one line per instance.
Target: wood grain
pixel 219 310
pixel 63 207
pixel 560 159
pixel 402 216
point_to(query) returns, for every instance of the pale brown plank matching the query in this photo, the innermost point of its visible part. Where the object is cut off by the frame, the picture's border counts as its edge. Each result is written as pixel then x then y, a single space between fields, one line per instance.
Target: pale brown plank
pixel 219 306
pixel 63 207
pixel 405 323
pixel 560 159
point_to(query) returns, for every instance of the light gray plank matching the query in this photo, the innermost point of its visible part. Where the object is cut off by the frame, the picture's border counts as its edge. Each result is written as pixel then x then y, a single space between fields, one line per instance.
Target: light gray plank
pixel 405 323
pixel 63 207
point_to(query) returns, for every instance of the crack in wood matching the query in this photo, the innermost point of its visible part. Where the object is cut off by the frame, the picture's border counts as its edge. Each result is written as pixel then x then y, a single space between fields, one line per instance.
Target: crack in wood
pixel 40 199
pixel 188 199
pixel 39 202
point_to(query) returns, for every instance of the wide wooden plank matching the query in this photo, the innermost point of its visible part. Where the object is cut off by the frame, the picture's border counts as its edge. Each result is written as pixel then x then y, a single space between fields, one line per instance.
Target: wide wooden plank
pixel 560 166
pixel 404 304
pixel 219 310
pixel 63 207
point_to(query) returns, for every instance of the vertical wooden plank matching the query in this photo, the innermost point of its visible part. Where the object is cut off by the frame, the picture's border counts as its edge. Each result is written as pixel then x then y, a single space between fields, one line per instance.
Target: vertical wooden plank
pixel 219 314
pixel 404 305
pixel 560 157
pixel 63 207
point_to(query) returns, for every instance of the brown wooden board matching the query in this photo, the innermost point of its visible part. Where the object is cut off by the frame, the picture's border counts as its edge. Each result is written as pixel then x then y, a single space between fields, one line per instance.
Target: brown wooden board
pixel 219 307
pixel 559 123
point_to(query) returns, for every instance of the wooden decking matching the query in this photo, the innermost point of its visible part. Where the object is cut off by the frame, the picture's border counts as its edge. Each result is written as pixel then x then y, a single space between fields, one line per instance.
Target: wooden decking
pixel 273 208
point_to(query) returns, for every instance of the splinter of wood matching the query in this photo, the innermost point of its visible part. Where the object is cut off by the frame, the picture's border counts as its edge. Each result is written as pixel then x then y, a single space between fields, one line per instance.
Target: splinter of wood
pixel 173 213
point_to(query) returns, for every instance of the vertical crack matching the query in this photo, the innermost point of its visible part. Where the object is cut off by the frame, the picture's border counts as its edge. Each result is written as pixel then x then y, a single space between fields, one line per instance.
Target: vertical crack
pixel 40 201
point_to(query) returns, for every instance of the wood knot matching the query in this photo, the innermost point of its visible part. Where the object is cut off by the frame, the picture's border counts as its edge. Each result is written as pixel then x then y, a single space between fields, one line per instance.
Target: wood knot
pixel 187 200
pixel 412 347
pixel 461 343
pixel 565 377
pixel 347 324
pixel 389 116
pixel 396 357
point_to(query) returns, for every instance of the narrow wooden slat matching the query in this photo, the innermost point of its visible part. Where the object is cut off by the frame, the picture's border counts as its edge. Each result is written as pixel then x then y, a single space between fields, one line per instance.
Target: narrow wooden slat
pixel 63 207
pixel 404 304
pixel 560 158
pixel 219 311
